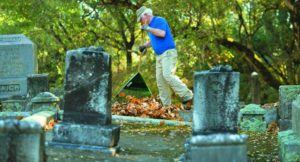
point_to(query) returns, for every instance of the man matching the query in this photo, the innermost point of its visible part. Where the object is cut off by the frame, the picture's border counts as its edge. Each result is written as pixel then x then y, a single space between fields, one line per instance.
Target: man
pixel 162 42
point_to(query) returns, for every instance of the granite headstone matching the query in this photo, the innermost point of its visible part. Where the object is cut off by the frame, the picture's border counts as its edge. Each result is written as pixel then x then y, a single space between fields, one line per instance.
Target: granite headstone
pixel 87 103
pixel 215 116
pixel 216 100
pixel 17 60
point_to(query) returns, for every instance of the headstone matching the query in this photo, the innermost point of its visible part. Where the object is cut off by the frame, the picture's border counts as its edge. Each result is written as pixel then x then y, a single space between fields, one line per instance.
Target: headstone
pixel 216 102
pixel 289 140
pixel 252 118
pixel 21 141
pixel 255 88
pixel 216 105
pixel 87 103
pixel 17 60
pixel 287 94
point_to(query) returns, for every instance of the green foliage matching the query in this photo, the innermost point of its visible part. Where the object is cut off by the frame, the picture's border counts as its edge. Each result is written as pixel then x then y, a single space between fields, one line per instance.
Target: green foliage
pixel 258 35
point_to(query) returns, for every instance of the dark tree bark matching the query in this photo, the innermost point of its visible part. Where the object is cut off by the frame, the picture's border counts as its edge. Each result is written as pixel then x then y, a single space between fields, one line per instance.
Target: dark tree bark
pixel 249 56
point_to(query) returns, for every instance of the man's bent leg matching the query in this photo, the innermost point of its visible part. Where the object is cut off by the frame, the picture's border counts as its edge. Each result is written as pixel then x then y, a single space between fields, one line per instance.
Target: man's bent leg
pixel 164 89
pixel 169 68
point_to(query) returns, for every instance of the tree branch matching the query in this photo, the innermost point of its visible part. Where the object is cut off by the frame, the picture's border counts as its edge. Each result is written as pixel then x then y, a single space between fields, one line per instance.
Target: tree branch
pixel 250 58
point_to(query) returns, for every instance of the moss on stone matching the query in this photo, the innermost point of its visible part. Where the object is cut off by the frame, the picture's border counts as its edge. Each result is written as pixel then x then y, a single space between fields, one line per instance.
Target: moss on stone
pixel 253 125
pixel 253 109
pixel 289 146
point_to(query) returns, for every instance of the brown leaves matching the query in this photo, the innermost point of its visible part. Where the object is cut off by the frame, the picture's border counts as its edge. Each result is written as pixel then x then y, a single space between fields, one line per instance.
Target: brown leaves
pixel 50 124
pixel 273 128
pixel 146 108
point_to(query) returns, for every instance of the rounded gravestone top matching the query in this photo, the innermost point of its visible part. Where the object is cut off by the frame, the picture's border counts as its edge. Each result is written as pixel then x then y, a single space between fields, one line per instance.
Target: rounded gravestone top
pixel 253 109
pixel 45 97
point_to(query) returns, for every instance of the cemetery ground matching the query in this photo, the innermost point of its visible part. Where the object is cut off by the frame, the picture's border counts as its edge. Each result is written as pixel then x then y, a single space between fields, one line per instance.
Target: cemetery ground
pixel 160 142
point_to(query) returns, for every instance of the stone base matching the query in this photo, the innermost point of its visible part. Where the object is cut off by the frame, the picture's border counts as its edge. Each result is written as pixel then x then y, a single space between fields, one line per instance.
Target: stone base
pixel 217 148
pixel 14 105
pixel 289 146
pixel 186 115
pixel 284 124
pixel 69 146
pixel 14 115
pixel 82 134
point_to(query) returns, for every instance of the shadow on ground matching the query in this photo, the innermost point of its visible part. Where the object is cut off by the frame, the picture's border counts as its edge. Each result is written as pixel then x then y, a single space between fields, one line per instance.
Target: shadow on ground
pixel 138 142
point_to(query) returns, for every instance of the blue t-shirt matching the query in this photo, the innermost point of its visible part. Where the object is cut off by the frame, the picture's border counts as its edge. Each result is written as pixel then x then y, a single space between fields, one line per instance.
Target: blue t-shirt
pixel 161 44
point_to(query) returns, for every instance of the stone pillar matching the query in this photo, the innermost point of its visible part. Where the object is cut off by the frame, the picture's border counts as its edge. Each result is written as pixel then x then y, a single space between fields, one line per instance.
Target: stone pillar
pixel 289 140
pixel 215 116
pixel 255 88
pixel 287 94
pixel 21 141
pixel 87 103
pixel 36 84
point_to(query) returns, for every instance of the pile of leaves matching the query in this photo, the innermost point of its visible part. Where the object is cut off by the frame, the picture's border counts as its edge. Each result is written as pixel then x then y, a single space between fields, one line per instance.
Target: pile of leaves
pixel 148 107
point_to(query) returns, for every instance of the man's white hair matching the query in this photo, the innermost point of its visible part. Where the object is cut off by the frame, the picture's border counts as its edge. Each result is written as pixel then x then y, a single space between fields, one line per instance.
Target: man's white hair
pixel 148 11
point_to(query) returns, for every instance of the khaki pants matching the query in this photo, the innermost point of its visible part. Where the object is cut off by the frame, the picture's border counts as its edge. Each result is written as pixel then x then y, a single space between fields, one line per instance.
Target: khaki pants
pixel 167 80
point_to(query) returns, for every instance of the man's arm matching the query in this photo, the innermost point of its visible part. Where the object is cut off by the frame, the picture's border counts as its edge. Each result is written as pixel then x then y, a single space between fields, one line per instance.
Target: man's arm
pixel 155 31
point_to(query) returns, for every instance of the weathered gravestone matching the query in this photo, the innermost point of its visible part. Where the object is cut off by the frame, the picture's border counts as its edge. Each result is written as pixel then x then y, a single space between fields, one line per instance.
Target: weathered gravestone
pixel 87 103
pixel 215 113
pixel 252 118
pixel 17 60
pixel 289 140
pixel 287 94
pixel 18 71
pixel 21 141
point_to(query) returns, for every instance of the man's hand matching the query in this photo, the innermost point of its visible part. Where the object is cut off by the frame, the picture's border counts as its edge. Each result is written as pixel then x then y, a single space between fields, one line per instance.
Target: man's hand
pixel 142 49
pixel 145 27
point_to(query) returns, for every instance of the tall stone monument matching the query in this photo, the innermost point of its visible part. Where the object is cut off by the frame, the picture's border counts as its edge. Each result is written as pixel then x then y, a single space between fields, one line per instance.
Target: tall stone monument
pixel 18 70
pixel 215 116
pixel 289 140
pixel 17 60
pixel 87 108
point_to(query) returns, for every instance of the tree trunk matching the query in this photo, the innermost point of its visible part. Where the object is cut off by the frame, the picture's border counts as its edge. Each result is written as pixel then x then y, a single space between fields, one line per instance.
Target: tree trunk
pixel 128 60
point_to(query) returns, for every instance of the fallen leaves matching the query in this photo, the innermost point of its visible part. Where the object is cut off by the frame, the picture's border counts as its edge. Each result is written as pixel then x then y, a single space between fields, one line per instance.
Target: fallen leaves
pixel 146 108
pixel 50 124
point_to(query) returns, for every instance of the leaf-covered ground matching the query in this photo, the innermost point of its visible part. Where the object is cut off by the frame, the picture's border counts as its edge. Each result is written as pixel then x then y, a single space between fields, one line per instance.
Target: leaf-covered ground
pixel 148 107
pixel 261 146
